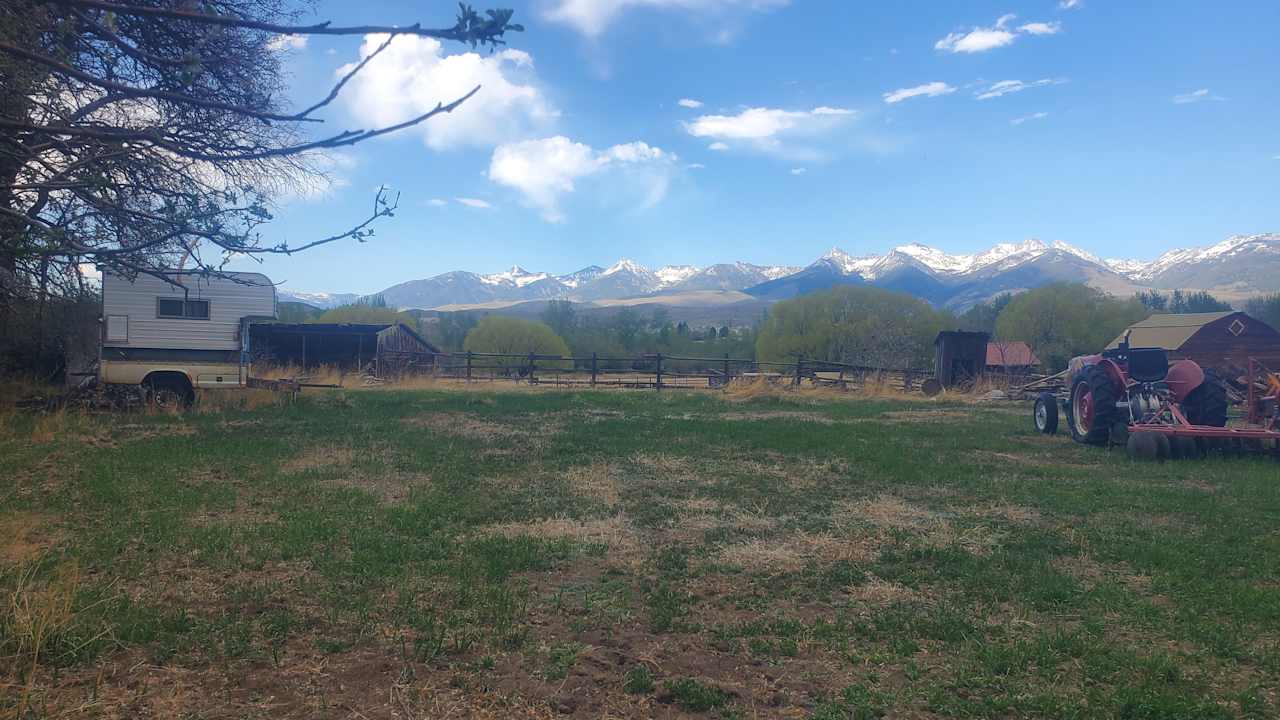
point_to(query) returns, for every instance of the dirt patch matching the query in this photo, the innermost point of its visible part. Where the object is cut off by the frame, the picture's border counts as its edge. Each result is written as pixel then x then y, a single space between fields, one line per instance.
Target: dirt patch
pixel 390 488
pixel 318 458
pixel 792 552
pixel 475 428
pixel 796 472
pixel 915 416
pixel 888 511
pixel 881 593
pixel 666 468
pixel 598 481
pixel 1090 572
pixel 616 533
pixel 797 415
pixel 145 431
pixel 1017 514
pixel 932 529
pixel 24 537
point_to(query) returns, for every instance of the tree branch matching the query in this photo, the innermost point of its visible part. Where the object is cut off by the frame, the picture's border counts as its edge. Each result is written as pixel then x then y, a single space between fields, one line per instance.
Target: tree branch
pixel 470 27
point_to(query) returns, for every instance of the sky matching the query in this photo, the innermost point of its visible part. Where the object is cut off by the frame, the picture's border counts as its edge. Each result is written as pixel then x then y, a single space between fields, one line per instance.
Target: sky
pixel 769 131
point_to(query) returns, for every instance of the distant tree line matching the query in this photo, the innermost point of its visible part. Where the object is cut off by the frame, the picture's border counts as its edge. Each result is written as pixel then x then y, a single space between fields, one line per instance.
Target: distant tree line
pixel 855 325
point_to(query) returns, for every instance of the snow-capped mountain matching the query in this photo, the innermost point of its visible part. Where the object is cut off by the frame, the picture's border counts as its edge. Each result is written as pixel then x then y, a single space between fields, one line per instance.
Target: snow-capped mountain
pixel 951 280
pixel 1246 263
pixel 1241 264
pixel 318 299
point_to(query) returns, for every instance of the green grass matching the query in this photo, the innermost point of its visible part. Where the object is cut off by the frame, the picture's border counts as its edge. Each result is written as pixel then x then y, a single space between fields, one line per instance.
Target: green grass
pixel 511 549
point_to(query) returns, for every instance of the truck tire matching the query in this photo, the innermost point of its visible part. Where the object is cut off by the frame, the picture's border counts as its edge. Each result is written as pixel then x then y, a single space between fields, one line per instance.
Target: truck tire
pixel 1092 407
pixel 1207 404
pixel 169 393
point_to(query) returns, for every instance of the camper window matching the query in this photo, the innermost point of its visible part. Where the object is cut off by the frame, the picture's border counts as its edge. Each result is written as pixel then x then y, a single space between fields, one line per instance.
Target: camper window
pixel 186 309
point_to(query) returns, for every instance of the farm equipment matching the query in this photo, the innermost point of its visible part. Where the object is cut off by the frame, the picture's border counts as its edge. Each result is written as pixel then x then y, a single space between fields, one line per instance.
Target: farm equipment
pixel 1135 397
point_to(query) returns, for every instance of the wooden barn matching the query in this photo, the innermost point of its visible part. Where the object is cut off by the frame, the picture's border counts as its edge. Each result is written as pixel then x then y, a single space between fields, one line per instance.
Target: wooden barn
pixel 959 357
pixel 1217 340
pixel 385 349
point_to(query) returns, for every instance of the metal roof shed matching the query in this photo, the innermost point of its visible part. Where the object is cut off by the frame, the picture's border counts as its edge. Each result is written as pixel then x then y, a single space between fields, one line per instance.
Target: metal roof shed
pixel 1218 339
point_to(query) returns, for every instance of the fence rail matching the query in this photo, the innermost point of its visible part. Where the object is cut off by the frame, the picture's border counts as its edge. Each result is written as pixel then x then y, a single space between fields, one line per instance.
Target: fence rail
pixel 661 372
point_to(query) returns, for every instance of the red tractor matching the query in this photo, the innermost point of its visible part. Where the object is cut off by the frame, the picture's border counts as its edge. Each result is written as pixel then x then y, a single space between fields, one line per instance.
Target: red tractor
pixel 1133 396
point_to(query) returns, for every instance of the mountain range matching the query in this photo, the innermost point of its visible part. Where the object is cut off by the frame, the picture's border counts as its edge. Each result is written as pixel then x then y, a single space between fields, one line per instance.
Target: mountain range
pixel 1237 267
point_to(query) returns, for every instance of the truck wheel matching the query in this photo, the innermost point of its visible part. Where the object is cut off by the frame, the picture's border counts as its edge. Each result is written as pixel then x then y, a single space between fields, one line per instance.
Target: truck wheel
pixel 1046 413
pixel 1093 407
pixel 166 393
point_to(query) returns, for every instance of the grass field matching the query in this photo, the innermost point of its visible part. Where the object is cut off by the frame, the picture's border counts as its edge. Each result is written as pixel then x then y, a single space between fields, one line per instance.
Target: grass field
pixel 426 554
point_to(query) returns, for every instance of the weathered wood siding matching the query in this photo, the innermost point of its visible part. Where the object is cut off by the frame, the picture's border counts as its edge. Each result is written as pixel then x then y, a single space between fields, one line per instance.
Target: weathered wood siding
pixel 1231 341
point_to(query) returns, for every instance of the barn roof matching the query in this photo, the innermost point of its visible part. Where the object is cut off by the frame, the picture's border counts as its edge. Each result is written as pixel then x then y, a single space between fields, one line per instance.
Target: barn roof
pixel 1014 353
pixel 1168 331
pixel 342 329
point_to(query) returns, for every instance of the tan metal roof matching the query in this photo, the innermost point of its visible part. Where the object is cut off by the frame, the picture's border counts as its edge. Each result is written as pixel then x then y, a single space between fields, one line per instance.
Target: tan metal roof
pixel 1168 331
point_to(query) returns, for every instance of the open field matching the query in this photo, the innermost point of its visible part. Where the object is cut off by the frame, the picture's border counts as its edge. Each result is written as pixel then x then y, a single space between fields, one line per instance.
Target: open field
pixel 427 554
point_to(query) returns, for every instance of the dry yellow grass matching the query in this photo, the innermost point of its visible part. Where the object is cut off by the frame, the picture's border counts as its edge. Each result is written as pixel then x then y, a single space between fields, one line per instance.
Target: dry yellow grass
pixel 793 551
pixel 34 613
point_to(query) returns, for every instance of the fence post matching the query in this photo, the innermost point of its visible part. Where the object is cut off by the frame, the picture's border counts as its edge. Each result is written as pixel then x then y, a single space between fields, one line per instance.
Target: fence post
pixel 594 368
pixel 468 366
pixel 726 372
pixel 659 371
pixel 532 380
pixel 799 370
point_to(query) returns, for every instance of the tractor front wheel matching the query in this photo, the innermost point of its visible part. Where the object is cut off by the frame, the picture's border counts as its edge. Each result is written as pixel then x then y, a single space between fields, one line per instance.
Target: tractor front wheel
pixel 1093 407
pixel 1046 413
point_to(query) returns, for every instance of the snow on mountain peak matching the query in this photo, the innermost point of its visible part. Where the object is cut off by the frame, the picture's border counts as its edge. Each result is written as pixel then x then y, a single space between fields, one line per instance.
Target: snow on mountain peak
pixel 517 276
pixel 625 264
pixel 847 263
pixel 672 274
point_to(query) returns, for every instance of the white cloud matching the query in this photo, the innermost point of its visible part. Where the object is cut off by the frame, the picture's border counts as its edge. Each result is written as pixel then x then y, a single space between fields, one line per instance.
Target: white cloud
pixel 771 130
pixel 933 89
pixel 982 39
pixel 1025 118
pixel 592 17
pixel 437 202
pixel 325 173
pixel 718 146
pixel 281 43
pixel 1006 87
pixel 474 203
pixel 799 171
pixel 545 170
pixel 413 75
pixel 1071 4
pixel 1196 96
pixel 695 166
pixel 688 103
pixel 1041 28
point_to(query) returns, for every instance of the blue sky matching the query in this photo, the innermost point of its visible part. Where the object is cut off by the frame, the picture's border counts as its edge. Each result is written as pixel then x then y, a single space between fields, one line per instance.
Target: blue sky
pixel 1126 129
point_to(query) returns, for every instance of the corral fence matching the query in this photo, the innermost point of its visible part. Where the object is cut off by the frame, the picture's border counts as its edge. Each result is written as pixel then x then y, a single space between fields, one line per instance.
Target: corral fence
pixel 658 371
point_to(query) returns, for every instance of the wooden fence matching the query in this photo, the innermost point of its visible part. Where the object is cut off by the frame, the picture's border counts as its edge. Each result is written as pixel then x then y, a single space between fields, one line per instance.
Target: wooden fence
pixel 662 372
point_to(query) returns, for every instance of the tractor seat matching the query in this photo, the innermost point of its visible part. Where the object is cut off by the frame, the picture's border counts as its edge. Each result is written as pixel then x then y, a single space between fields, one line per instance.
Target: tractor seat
pixel 1148 365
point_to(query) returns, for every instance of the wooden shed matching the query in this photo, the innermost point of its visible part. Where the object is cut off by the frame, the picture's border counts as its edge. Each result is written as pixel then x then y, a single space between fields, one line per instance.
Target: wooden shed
pixel 386 349
pixel 1218 339
pixel 959 357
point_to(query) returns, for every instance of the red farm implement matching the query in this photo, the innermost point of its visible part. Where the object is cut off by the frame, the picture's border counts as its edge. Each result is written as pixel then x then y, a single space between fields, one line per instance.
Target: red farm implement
pixel 1135 397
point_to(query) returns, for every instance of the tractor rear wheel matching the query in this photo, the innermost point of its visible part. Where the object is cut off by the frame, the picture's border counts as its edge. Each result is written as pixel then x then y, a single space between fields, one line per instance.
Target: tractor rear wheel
pixel 1046 413
pixel 1207 404
pixel 1093 407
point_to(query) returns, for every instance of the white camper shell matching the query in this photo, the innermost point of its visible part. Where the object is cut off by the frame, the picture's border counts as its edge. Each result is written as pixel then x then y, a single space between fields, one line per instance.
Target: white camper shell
pixel 188 334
